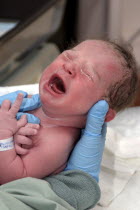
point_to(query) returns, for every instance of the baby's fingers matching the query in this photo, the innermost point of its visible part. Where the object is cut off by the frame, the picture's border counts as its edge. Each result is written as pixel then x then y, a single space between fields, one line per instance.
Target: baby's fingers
pixel 16 105
pixel 31 125
pixel 22 122
pixel 5 106
pixel 22 140
pixel 28 131
pixel 20 150
pixel 22 144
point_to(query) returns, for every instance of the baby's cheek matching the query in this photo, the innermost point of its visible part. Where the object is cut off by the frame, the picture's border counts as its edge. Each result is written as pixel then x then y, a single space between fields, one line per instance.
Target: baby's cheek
pixel 60 169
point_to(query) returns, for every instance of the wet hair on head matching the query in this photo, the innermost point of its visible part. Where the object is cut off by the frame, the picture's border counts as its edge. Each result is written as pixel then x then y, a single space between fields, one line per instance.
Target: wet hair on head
pixel 122 93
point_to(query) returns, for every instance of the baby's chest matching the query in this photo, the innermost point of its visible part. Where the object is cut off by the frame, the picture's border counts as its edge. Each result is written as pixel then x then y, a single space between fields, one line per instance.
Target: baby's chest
pixel 44 136
pixel 52 137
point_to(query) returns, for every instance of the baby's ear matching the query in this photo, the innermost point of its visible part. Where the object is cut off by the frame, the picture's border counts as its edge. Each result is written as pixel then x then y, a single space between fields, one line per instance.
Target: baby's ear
pixel 110 115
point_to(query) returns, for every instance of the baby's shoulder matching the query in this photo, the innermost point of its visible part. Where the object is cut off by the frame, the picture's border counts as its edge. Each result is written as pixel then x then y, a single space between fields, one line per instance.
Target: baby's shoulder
pixel 62 130
pixel 62 133
pixel 67 133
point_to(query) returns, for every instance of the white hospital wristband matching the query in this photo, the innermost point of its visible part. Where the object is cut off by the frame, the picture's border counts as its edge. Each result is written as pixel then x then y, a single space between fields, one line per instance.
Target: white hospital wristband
pixel 6 144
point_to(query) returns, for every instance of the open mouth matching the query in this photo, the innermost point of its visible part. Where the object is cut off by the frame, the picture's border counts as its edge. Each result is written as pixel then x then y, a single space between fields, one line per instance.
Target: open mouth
pixel 57 85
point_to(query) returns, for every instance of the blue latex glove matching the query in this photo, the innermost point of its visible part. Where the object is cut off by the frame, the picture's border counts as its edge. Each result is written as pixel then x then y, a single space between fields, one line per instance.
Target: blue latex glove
pixel 87 154
pixel 27 104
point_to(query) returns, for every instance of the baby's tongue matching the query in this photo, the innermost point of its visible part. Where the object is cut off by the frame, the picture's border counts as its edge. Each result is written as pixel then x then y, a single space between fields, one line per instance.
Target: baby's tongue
pixel 57 86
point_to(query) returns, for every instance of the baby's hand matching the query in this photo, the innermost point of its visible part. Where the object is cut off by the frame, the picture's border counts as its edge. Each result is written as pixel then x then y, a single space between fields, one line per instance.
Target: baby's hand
pixel 22 140
pixel 8 123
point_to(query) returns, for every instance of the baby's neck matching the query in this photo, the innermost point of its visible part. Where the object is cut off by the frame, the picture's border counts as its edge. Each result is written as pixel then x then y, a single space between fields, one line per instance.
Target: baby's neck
pixel 69 121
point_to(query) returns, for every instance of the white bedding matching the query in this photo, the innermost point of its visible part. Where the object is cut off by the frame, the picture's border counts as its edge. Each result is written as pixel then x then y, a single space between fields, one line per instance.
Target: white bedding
pixel 31 89
pixel 120 173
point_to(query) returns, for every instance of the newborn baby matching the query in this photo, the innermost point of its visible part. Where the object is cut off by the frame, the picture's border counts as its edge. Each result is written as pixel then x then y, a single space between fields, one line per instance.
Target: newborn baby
pixel 69 87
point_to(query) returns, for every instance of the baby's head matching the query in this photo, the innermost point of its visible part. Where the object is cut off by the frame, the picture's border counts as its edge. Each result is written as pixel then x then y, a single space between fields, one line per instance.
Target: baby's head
pixel 122 93
pixel 91 71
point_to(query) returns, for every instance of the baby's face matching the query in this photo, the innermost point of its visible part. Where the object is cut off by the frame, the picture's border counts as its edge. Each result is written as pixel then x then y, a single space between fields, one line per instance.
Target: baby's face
pixel 78 78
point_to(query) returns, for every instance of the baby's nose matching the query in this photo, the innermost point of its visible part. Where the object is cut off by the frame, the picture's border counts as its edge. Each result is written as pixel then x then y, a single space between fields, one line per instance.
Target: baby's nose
pixel 69 69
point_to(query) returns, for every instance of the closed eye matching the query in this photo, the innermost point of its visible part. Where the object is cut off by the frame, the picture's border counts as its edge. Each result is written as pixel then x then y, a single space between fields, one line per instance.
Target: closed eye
pixel 87 71
pixel 87 75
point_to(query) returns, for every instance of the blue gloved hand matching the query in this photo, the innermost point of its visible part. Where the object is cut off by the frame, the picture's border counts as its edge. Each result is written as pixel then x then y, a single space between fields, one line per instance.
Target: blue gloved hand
pixel 27 105
pixel 87 154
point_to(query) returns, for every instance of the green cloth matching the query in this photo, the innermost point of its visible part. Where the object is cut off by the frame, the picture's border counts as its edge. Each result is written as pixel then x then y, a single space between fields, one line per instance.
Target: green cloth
pixel 68 190
pixel 79 189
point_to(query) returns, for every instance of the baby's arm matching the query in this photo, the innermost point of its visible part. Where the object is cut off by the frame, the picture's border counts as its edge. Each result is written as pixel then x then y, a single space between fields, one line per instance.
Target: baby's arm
pixel 51 152
pixel 43 159
pixel 11 165
pixel 9 161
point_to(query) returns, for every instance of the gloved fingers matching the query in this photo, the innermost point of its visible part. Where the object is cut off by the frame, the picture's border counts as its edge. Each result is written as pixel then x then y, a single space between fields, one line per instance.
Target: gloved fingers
pixel 96 118
pixel 27 131
pixel 90 142
pixel 22 121
pixel 20 150
pixel 19 139
pixel 27 103
pixel 30 118
pixel 104 129
pixel 30 103
pixel 87 154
